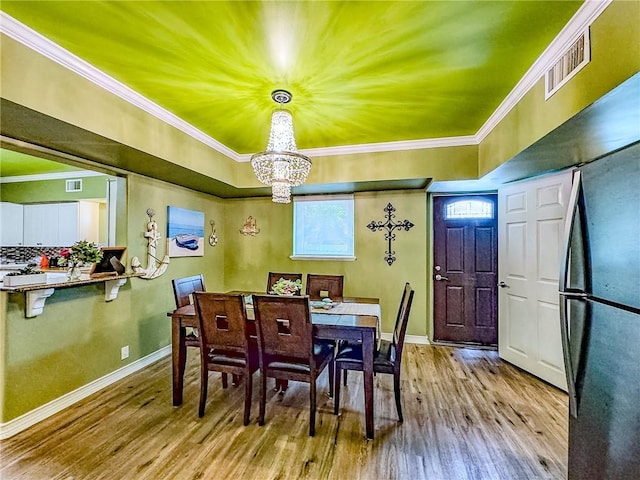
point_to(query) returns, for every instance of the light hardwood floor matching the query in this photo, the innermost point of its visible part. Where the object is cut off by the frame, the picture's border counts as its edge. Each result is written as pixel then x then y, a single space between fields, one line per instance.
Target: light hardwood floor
pixel 468 415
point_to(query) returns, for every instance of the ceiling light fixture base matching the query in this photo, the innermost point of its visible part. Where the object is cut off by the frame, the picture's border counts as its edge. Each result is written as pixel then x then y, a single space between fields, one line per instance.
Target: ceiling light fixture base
pixel 281 96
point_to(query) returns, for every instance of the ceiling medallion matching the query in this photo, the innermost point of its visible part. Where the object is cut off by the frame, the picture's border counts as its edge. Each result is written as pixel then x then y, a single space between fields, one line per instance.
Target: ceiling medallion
pixel 281 165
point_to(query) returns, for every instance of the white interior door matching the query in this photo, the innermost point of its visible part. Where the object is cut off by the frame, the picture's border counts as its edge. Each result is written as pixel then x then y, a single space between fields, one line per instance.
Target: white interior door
pixel 530 230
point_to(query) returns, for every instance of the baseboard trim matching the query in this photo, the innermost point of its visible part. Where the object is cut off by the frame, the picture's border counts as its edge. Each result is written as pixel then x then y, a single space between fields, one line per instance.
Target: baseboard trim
pixel 417 339
pixel 36 415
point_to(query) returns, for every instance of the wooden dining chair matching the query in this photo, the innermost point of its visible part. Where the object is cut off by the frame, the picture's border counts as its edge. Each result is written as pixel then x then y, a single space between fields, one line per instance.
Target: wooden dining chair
pixel 281 385
pixel 387 358
pixel 225 344
pixel 274 277
pixel 286 346
pixel 323 286
pixel 183 290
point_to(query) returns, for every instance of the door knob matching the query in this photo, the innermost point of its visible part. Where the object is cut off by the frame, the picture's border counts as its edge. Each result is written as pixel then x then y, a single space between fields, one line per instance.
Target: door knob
pixel 503 285
pixel 441 278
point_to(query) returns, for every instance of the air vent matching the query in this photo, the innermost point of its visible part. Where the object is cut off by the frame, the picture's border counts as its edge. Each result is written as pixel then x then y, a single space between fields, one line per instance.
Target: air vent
pixel 74 185
pixel 570 63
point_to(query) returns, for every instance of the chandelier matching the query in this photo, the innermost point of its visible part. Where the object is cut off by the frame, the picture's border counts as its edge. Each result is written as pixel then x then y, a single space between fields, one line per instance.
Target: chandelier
pixel 281 165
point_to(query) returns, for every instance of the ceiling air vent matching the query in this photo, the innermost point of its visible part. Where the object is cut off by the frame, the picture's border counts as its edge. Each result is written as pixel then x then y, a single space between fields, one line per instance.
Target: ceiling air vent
pixel 570 63
pixel 74 185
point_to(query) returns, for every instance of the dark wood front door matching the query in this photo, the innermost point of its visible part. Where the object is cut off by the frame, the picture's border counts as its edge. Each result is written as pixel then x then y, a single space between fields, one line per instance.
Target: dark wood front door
pixel 465 269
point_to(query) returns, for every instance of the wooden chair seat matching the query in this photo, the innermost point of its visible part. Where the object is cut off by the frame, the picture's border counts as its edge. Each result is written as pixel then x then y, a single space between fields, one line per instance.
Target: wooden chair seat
pixel 230 358
pixel 351 354
pixel 321 353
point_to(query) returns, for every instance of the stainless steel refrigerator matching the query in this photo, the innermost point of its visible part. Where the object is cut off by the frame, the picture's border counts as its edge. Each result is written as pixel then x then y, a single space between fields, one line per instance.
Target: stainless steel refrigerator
pixel 600 318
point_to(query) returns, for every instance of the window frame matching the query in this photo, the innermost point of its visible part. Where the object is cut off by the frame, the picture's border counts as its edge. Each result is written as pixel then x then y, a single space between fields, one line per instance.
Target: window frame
pixel 296 255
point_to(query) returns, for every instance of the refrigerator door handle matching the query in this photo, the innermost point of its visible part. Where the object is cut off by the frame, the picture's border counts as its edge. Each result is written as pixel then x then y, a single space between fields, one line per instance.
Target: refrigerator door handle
pixel 572 209
pixel 566 294
pixel 568 366
pixel 575 295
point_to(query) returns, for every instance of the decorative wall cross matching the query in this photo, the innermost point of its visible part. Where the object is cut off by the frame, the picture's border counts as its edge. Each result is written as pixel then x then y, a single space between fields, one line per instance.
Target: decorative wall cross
pixel 389 225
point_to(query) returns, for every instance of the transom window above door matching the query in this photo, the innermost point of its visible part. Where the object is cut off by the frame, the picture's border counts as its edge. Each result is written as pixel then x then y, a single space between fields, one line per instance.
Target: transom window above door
pixel 469 209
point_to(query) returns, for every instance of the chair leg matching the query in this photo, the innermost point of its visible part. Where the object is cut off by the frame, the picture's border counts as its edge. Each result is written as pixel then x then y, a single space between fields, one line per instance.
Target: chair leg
pixel 263 397
pixel 247 397
pixel 225 383
pixel 336 393
pixel 204 384
pixel 312 407
pixel 345 377
pixel 332 367
pixel 396 388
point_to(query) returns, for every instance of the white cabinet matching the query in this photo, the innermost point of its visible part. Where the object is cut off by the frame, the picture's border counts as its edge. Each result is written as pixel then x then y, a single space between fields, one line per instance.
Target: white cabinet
pixel 41 224
pixel 11 224
pixel 60 224
pixel 68 232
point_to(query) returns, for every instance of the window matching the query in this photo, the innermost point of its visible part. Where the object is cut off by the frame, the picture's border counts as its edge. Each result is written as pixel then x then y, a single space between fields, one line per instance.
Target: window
pixel 323 227
pixel 469 209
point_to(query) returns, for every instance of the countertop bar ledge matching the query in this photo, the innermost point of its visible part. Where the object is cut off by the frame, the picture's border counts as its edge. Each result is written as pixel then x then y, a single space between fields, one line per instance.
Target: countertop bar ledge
pixel 37 294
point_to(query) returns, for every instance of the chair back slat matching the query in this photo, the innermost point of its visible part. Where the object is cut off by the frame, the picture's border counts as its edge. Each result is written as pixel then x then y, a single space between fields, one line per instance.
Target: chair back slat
pixel 275 276
pixel 183 289
pixel 402 320
pixel 284 326
pixel 321 286
pixel 222 321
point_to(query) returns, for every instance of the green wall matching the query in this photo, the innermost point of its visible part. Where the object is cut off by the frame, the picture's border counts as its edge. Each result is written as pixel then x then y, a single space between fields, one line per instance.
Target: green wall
pixel 77 339
pixel 249 259
pixel 53 190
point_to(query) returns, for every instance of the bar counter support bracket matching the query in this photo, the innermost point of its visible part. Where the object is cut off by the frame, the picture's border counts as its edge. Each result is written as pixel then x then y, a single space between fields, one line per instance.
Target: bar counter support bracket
pixel 112 287
pixel 35 299
pixel 35 296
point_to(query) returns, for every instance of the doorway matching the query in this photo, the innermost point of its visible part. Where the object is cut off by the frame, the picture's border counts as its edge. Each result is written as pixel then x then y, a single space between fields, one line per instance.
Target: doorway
pixel 465 254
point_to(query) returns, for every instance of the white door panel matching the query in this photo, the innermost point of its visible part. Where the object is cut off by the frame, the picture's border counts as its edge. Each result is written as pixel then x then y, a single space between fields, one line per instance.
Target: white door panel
pixel 531 220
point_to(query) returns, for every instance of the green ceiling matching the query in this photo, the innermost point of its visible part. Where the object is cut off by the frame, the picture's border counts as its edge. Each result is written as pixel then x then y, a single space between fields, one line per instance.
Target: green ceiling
pixel 16 164
pixel 360 72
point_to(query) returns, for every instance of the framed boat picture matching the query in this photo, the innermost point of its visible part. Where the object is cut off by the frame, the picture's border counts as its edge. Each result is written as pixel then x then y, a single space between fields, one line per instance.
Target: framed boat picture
pixel 185 232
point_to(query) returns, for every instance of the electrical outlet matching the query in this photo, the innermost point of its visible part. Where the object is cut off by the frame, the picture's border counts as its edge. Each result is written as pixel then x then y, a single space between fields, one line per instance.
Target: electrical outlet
pixel 124 352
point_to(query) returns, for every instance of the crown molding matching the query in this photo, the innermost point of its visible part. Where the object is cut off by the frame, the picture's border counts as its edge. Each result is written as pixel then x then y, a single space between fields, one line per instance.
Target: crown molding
pixel 383 147
pixel 583 18
pixel 33 40
pixel 51 176
pixel 393 146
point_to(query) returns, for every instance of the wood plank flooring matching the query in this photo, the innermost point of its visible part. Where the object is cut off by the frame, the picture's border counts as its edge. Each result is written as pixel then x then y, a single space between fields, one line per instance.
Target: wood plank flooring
pixel 468 415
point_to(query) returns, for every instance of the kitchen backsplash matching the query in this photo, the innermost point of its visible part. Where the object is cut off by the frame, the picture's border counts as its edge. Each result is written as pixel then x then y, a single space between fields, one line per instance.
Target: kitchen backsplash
pixel 27 254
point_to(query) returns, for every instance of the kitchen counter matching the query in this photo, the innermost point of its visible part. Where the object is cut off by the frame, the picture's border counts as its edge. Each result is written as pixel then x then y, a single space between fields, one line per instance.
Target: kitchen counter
pixel 37 294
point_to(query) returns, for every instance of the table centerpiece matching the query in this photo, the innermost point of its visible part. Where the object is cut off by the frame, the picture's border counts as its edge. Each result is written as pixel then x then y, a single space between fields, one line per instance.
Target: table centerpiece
pixel 286 287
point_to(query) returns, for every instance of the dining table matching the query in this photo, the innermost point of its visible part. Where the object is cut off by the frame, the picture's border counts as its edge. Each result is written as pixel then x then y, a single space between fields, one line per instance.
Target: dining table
pixel 355 319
